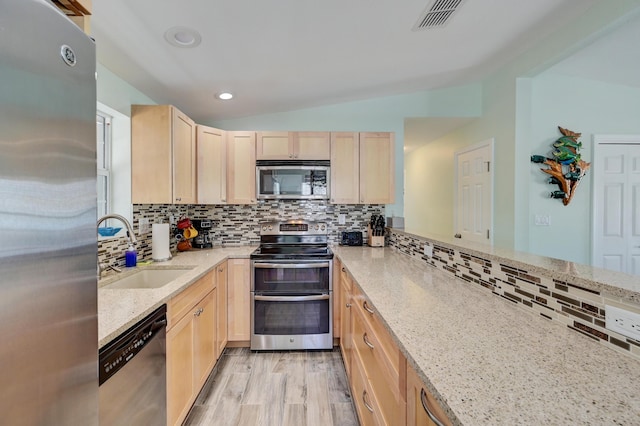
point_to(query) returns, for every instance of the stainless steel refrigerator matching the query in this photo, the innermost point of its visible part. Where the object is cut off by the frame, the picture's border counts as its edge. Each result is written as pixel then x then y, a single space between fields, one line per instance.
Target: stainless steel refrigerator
pixel 48 250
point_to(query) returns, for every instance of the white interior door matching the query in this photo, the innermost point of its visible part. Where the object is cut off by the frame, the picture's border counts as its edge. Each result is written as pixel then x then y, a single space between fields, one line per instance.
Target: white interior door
pixel 474 193
pixel 616 174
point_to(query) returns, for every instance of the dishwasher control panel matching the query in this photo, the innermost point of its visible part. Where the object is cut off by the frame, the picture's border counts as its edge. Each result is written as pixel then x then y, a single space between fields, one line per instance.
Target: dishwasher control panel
pixel 117 353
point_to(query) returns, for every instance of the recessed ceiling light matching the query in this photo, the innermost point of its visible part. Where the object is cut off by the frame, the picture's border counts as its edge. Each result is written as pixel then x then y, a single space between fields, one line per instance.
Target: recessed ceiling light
pixel 182 37
pixel 225 96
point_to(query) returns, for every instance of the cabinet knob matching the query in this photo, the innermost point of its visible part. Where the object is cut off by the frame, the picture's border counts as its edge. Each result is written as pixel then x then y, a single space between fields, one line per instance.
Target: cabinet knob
pixel 348 305
pixel 290 155
pixel 223 200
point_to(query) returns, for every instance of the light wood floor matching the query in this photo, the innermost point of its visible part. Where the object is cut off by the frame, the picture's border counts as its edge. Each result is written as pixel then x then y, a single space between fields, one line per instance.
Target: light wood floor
pixel 275 389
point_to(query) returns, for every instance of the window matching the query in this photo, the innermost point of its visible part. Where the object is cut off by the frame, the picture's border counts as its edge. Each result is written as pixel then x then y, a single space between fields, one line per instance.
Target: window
pixel 103 127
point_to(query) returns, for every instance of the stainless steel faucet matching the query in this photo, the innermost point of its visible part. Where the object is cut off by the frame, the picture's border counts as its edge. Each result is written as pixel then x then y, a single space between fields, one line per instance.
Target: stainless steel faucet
pixel 131 236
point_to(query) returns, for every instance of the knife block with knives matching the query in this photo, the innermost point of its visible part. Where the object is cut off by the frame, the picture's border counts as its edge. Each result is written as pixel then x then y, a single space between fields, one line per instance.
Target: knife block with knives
pixel 375 231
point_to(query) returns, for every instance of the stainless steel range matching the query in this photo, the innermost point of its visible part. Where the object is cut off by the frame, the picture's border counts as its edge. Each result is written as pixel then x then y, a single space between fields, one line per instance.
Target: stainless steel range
pixel 291 287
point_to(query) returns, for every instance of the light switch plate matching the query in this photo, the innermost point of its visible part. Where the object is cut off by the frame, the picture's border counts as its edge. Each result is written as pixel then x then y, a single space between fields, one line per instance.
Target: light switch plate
pixel 342 219
pixel 542 220
pixel 428 250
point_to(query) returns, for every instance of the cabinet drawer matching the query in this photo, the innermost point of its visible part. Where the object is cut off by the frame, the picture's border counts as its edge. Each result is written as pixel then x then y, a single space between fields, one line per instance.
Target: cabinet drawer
pixel 385 383
pixel 365 401
pixel 345 278
pixel 183 302
pixel 393 359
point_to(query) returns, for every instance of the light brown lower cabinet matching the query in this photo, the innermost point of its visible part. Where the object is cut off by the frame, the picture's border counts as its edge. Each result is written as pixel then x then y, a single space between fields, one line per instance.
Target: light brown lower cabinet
pixel 375 366
pixel 221 329
pixel 422 407
pixel 238 300
pixel 346 302
pixel 191 345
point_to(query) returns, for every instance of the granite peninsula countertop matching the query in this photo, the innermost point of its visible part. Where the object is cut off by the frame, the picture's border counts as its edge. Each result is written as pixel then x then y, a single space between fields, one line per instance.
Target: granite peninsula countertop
pixel 615 284
pixel 119 309
pixel 488 361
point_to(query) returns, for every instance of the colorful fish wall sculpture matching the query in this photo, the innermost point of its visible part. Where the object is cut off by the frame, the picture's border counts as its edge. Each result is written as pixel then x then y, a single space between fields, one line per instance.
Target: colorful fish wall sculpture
pixel 565 165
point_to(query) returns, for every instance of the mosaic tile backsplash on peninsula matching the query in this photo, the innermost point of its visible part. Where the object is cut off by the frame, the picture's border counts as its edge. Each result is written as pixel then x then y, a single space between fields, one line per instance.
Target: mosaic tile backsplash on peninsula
pixel 239 224
pixel 580 309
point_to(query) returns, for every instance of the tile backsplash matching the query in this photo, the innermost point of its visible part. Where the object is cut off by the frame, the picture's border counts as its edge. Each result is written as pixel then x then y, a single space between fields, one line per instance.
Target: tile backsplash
pixel 239 224
pixel 580 309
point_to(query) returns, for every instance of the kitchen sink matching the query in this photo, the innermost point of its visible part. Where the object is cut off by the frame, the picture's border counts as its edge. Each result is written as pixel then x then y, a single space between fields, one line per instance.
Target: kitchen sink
pixel 148 278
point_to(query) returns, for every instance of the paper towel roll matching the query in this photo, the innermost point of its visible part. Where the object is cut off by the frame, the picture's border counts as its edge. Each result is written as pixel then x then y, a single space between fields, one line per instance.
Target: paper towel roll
pixel 160 242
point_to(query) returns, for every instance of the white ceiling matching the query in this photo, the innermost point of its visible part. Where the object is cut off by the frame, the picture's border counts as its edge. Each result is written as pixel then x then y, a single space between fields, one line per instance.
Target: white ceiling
pixel 282 55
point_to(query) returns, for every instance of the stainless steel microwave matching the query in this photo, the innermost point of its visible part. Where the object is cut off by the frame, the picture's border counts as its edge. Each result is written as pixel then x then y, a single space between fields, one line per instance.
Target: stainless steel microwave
pixel 293 180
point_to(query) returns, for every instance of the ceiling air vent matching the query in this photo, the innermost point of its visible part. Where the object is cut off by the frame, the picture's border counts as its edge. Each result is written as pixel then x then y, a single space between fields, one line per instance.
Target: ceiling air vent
pixel 437 14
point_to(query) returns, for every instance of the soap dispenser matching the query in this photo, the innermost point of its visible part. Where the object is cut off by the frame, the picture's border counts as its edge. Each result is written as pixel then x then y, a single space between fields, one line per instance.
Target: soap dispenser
pixel 130 256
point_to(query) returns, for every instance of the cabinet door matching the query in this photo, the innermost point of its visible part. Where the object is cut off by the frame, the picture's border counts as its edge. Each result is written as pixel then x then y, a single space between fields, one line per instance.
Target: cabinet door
pixel 274 146
pixel 204 338
pixel 377 168
pixel 221 326
pixel 336 297
pixel 239 301
pixel 151 154
pixel 211 167
pixel 346 339
pixel 241 167
pixel 419 400
pixel 180 383
pixel 184 158
pixel 344 168
pixel 311 145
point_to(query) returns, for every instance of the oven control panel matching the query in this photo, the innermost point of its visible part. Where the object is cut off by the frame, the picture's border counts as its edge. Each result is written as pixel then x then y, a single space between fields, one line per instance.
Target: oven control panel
pixel 294 227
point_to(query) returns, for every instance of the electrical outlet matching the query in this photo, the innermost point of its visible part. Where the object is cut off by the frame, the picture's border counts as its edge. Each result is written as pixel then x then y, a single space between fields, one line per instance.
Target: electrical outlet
pixel 143 226
pixel 623 321
pixel 428 250
pixel 342 219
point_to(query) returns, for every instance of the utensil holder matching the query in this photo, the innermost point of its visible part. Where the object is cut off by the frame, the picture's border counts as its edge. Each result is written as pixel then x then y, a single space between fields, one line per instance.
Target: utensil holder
pixel 374 241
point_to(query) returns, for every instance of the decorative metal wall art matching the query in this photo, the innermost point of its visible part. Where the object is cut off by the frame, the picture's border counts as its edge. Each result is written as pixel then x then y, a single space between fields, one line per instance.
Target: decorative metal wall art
pixel 566 167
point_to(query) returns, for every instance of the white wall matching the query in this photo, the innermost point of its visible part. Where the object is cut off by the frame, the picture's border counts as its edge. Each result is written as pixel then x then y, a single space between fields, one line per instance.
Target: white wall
pixel 585 106
pixel 507 117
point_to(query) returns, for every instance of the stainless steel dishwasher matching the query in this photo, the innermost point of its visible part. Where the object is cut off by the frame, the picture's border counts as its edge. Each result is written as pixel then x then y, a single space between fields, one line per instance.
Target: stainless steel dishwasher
pixel 133 384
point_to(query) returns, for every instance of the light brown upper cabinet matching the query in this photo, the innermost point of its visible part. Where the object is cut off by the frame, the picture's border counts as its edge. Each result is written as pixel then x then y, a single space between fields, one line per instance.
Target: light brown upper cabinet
pixel 293 146
pixel 362 168
pixel 241 167
pixel 163 155
pixel 377 168
pixel 79 11
pixel 212 165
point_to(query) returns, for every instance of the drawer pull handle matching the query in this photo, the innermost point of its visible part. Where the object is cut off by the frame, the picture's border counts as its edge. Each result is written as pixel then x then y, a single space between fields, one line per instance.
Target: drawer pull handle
pixel 423 399
pixel 366 341
pixel 364 401
pixel 367 308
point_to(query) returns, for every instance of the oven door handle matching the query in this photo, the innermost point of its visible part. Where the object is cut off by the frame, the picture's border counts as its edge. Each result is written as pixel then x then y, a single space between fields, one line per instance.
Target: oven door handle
pixel 267 265
pixel 291 298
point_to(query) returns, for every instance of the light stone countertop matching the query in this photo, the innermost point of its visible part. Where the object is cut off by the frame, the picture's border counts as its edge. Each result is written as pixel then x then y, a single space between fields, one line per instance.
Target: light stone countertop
pixel 119 309
pixel 488 361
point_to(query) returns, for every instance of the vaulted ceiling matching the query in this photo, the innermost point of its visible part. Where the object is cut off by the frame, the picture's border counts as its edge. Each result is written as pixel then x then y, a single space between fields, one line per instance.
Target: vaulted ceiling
pixel 282 55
